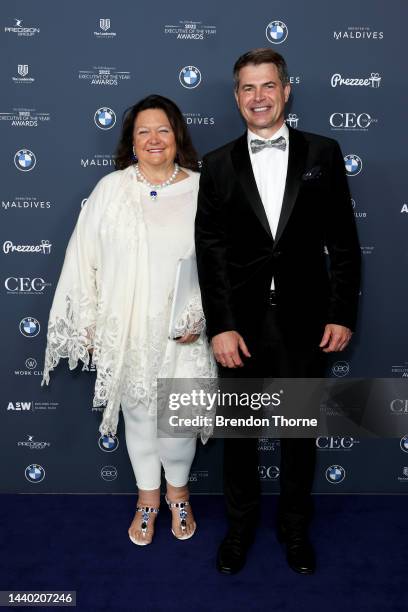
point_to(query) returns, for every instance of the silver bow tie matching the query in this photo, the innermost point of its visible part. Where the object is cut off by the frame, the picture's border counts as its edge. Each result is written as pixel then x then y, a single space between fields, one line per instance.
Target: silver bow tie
pixel 258 145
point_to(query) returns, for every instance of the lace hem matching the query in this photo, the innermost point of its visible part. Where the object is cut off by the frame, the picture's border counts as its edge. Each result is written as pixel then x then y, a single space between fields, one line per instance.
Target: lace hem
pixel 192 320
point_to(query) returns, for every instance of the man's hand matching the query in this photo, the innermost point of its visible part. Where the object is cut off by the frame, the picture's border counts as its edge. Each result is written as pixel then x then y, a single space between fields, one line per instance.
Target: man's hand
pixel 335 338
pixel 226 347
pixel 188 338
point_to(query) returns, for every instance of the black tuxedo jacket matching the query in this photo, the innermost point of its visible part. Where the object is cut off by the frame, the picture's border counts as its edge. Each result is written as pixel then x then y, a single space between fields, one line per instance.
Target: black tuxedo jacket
pixel 237 255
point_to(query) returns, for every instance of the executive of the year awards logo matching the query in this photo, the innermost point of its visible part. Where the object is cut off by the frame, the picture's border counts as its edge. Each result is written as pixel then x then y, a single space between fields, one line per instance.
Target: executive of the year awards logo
pixel 276 32
pixel 190 77
pixel 335 474
pixel 353 164
pixel 24 160
pixel 105 118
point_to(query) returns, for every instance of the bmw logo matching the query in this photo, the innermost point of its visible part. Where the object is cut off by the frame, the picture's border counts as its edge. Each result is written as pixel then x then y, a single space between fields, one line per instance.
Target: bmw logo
pixel 29 327
pixel 108 443
pixel 34 473
pixel 24 160
pixel 31 363
pixel 404 444
pixel 276 32
pixel 335 474
pixel 190 77
pixel 353 164
pixel 340 368
pixel 105 118
pixel 109 473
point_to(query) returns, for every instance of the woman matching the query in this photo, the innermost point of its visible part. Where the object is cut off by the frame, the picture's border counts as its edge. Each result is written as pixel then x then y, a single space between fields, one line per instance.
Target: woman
pixel 114 299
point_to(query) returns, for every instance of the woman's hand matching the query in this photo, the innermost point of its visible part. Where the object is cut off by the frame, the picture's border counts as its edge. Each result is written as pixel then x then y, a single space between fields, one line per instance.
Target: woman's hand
pixel 187 339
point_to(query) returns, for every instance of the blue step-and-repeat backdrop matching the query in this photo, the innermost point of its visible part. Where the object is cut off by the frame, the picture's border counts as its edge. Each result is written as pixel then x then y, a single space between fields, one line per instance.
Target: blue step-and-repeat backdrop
pixel 67 72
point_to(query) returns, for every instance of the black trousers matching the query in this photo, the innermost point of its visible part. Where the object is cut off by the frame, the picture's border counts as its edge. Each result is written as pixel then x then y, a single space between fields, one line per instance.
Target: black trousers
pixel 276 352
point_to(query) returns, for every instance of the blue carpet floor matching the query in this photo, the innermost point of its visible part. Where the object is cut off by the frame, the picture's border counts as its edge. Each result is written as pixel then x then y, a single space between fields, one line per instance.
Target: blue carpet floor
pixel 80 542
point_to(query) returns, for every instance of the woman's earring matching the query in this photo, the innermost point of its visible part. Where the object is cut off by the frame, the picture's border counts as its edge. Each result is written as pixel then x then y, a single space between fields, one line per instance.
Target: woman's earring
pixel 134 153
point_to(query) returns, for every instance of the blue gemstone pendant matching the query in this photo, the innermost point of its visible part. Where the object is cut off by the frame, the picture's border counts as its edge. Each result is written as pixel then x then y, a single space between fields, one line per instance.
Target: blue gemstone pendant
pixel 153 195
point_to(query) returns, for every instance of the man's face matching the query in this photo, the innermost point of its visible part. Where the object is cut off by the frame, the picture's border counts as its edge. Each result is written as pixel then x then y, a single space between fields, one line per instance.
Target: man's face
pixel 261 98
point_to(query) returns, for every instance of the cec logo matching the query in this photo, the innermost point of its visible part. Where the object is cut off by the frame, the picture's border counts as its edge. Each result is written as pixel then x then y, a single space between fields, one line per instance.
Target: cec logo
pixel 29 327
pixel 34 473
pixel 276 32
pixel 190 77
pixel 108 443
pixel 353 164
pixel 270 472
pixel 24 160
pixel 109 473
pixel 335 474
pixel 105 118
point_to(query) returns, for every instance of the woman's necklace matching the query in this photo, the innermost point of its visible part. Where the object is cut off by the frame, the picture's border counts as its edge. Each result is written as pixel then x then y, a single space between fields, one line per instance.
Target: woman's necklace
pixel 153 188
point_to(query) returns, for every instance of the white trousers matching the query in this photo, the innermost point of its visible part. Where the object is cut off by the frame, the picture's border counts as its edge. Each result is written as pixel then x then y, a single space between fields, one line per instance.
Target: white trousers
pixel 148 453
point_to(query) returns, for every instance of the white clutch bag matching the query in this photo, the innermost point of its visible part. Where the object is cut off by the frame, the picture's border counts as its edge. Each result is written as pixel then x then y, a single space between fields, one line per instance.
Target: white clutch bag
pixel 186 285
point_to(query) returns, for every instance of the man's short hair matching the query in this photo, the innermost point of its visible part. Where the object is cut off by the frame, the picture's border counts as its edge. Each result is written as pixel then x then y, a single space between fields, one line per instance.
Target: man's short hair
pixel 261 56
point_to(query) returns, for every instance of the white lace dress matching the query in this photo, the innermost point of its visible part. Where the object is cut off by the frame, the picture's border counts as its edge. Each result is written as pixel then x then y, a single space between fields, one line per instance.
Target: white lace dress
pixel 115 294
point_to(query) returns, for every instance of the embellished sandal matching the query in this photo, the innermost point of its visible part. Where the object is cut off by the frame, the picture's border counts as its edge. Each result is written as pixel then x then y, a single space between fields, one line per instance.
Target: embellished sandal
pixel 146 512
pixel 181 506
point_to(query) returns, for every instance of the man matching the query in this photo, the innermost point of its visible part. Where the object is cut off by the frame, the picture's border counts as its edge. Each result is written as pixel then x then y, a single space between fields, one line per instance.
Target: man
pixel 269 204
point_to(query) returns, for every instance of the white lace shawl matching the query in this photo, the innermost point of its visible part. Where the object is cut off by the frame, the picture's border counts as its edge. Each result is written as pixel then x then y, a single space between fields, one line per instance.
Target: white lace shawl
pixel 101 302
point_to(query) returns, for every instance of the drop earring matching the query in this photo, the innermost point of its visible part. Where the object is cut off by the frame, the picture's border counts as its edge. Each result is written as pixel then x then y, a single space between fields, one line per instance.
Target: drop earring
pixel 134 153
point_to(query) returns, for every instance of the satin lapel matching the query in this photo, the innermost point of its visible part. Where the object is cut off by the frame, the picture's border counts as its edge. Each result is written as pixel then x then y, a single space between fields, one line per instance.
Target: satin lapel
pixel 296 164
pixel 243 168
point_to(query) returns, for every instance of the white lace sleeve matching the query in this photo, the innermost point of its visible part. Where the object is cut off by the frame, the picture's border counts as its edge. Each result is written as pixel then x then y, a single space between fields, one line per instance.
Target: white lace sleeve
pixel 72 320
pixel 192 320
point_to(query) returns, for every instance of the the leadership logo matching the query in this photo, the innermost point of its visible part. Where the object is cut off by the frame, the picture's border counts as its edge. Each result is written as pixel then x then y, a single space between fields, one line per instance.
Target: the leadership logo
pixel 24 160
pixel 335 474
pixel 276 32
pixel 34 473
pixel 353 164
pixel 29 327
pixel 108 443
pixel 404 444
pixel 22 69
pixel 104 24
pixel 190 77
pixel 105 118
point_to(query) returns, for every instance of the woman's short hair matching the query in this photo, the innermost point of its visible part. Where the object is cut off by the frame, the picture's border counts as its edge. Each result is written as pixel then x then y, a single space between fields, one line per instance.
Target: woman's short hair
pixel 186 154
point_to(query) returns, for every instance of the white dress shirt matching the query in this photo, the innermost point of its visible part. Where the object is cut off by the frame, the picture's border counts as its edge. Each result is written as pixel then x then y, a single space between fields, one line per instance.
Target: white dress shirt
pixel 270 168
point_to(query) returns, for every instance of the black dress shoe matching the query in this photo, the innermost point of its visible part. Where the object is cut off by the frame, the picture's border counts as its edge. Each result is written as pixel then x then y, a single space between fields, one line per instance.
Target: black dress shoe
pixel 299 551
pixel 232 552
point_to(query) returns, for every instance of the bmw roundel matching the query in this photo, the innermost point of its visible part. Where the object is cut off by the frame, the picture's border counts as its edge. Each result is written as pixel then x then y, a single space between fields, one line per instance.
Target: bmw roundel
pixel 34 473
pixel 353 164
pixel 24 160
pixel 404 444
pixel 276 32
pixel 108 443
pixel 29 327
pixel 335 474
pixel 105 118
pixel 190 77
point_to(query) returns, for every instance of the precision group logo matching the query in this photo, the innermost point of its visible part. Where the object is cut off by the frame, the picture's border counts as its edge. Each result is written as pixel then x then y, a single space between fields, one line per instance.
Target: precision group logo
pixel 108 443
pixel 29 327
pixel 353 164
pixel 190 77
pixel 24 160
pixel 335 474
pixel 34 473
pixel 32 444
pixel 105 118
pixel 21 30
pixel 276 32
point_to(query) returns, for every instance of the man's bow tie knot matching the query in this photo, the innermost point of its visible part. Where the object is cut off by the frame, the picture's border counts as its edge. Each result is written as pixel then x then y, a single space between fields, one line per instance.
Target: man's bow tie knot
pixel 258 145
